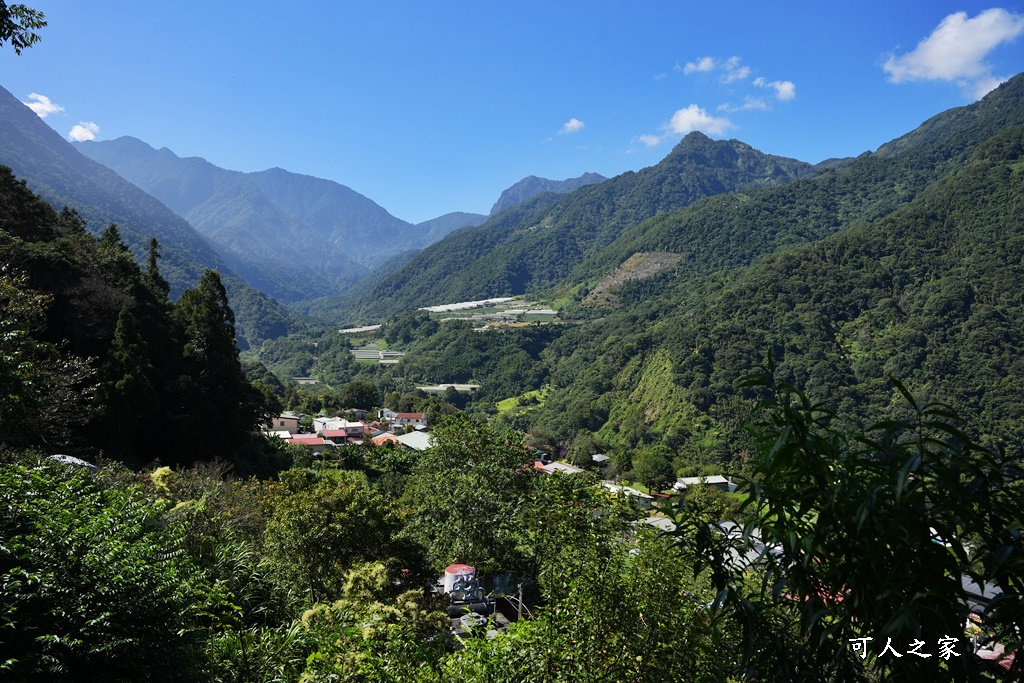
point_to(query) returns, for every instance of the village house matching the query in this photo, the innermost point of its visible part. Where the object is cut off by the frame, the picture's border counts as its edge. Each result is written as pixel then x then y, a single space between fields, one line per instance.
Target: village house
pixel 322 425
pixel 716 481
pixel 386 437
pixel 418 441
pixel 643 500
pixel 313 443
pixel 417 420
pixel 285 422
pixel 552 467
pixel 340 437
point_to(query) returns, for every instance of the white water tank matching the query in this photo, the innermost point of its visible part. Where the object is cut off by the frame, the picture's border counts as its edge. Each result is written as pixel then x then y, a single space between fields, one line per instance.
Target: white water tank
pixel 457 572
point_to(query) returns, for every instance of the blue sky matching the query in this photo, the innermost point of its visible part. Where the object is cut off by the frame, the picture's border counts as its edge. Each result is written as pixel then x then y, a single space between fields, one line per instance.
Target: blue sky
pixel 432 107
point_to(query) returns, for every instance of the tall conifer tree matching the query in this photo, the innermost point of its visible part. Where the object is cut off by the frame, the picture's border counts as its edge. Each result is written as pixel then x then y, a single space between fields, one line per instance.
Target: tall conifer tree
pixel 222 408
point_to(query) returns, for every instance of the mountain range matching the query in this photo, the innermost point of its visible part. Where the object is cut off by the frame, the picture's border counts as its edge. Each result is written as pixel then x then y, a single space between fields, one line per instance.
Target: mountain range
pixel 294 236
pixel 681 277
pixel 55 170
pixel 539 241
pixel 904 263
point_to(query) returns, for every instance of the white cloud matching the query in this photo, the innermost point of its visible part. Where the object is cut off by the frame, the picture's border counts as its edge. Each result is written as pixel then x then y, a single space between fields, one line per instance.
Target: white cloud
pixel 730 68
pixel 573 125
pixel 733 71
pixel 784 90
pixel 956 51
pixel 693 118
pixel 702 65
pixel 42 105
pixel 85 130
pixel 687 120
pixel 749 103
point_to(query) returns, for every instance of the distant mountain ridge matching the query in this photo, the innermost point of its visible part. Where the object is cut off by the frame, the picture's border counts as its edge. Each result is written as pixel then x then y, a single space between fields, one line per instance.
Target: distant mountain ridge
pixel 54 169
pixel 436 228
pixel 296 236
pixel 531 186
pixel 539 241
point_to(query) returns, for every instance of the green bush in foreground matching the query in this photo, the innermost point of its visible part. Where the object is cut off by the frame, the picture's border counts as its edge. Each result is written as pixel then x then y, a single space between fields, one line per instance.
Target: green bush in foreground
pixel 90 587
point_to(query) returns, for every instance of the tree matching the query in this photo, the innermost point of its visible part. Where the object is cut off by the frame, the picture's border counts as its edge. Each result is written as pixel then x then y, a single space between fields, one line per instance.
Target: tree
pixel 18 25
pixel 627 613
pixel 320 528
pixel 23 310
pixel 370 634
pixel 38 383
pixel 221 408
pixel 653 467
pixel 360 394
pixel 584 445
pixel 871 536
pixel 467 496
pixel 129 395
pixel 153 269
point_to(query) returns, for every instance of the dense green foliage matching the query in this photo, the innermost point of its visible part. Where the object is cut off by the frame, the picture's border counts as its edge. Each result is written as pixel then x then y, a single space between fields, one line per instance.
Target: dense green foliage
pixel 95 357
pixel 92 588
pixel 865 535
pixel 468 498
pixel 183 575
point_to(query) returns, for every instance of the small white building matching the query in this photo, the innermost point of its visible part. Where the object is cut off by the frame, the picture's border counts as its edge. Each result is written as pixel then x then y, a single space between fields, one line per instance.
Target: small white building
pixel 325 424
pixel 715 481
pixel 418 420
pixel 418 441
pixel 286 422
pixel 644 500
pixel 563 467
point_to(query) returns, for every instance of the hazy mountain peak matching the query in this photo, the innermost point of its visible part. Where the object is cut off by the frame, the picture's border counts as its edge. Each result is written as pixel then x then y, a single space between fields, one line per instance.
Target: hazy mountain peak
pixel 532 186
pixel 63 176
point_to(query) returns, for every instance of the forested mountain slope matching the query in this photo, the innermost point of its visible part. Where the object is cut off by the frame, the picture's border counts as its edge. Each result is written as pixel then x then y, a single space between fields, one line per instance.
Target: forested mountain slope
pixel 95 358
pixel 539 241
pixel 732 230
pixel 930 294
pixel 60 174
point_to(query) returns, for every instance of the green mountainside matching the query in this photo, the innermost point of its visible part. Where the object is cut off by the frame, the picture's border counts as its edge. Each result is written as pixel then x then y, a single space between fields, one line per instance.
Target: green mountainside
pixel 925 290
pixel 64 177
pixel 96 359
pixel 902 264
pixel 538 242
pixel 531 186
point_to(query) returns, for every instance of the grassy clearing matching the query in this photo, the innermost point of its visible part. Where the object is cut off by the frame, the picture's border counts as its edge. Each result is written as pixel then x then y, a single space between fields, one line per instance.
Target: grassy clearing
pixel 508 404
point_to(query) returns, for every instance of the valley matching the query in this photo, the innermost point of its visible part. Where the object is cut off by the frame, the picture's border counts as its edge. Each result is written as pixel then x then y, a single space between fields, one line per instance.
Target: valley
pixel 729 416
